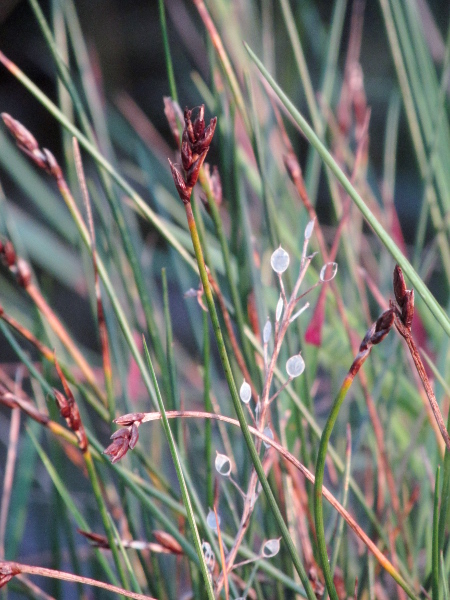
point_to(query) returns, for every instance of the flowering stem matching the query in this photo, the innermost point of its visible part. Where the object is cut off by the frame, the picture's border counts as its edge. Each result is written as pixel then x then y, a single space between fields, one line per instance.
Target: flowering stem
pixel 376 333
pixel 238 408
pixel 320 468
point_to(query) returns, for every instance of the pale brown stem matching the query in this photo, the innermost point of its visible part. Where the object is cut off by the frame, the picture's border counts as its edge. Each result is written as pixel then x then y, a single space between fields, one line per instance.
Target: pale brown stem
pixel 406 335
pixel 13 568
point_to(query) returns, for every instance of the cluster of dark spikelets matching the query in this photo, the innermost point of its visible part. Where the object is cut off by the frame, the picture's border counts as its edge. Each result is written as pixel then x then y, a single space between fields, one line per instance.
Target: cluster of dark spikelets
pixel 375 334
pixel 195 144
pixel 26 141
pixel 69 410
pixel 18 267
pixel 126 438
pixel 405 300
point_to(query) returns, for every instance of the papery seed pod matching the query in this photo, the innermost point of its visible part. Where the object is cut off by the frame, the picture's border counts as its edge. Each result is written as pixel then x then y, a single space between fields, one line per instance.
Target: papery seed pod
pixel 384 321
pixel 63 404
pixel 328 272
pixel 279 260
pixel 119 446
pixel 367 339
pixel 270 548
pixel 404 297
pixel 211 520
pixel 191 293
pixel 267 331
pixel 117 449
pixel 279 309
pixel 123 432
pixel 245 393
pixel 309 229
pixel 223 464
pixel 210 559
pixel 269 434
pixel 295 366
pixel 95 539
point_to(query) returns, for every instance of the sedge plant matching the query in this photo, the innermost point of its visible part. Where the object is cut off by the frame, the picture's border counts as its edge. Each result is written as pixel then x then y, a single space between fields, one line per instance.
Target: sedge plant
pixel 229 267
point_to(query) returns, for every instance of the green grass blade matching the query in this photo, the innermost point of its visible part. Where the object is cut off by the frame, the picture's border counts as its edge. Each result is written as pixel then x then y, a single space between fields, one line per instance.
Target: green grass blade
pixel 69 503
pixel 445 584
pixel 169 63
pixel 208 408
pixel 181 480
pixel 384 237
pixel 435 545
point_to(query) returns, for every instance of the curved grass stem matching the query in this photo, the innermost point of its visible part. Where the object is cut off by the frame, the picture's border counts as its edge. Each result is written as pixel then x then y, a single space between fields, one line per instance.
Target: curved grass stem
pixel 320 469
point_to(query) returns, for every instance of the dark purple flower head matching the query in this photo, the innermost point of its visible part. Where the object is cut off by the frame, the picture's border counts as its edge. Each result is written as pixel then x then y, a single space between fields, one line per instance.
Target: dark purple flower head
pixel 122 440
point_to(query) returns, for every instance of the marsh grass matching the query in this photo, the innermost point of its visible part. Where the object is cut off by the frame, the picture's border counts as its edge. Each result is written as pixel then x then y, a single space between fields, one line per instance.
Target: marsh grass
pixel 217 292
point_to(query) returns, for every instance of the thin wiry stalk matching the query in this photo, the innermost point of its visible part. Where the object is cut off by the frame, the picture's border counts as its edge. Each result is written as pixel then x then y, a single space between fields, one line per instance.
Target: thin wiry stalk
pixel 184 489
pixel 9 569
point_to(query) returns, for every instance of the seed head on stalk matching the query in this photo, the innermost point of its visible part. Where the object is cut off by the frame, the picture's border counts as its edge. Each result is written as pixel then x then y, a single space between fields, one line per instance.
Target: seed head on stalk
pixel 195 144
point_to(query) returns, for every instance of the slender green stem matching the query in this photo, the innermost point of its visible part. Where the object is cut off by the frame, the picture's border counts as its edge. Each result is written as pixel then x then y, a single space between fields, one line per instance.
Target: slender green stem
pixel 444 578
pixel 435 543
pixel 93 477
pixel 238 407
pixel 169 349
pixel 340 527
pixel 181 480
pixel 169 64
pixel 320 470
pixel 208 408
